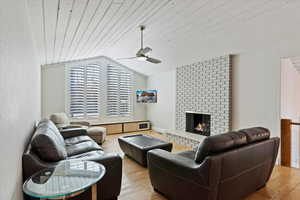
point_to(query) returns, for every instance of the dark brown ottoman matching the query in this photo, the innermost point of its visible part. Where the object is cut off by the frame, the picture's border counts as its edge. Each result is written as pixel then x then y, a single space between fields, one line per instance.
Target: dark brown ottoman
pixel 137 146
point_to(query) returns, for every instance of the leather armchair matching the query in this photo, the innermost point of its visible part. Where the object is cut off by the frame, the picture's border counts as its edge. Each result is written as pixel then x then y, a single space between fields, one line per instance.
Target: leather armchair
pixel 225 167
pixel 179 177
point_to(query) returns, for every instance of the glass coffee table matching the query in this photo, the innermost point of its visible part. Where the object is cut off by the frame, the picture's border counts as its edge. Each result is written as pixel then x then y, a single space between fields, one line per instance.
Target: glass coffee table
pixel 67 179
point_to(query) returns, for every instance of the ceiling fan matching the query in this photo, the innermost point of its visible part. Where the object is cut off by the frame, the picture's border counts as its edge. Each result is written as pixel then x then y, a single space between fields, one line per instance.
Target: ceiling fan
pixel 142 52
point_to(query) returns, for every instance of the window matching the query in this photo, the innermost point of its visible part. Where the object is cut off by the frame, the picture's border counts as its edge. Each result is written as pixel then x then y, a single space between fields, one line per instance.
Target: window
pixel 84 91
pixel 99 90
pixel 119 90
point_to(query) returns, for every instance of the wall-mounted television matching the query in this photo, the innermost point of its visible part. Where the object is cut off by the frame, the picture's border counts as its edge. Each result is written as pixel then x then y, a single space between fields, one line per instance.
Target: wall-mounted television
pixel 146 96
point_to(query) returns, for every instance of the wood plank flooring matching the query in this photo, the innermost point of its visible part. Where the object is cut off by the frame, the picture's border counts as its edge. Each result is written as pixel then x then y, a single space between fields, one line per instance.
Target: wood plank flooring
pixel 283 185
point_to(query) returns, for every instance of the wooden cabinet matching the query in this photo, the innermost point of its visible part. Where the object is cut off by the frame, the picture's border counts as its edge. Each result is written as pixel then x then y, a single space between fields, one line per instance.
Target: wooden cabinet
pixel 131 127
pixel 113 128
pixel 124 127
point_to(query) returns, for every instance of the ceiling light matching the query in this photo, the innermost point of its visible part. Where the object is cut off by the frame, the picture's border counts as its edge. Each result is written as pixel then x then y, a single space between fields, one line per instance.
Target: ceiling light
pixel 142 58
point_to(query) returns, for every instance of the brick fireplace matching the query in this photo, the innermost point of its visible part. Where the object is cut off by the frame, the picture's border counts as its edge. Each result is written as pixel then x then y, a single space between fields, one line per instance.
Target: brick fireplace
pixel 205 88
pixel 201 88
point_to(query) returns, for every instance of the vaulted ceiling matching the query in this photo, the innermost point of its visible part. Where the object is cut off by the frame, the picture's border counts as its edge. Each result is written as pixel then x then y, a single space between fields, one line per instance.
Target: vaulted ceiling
pixel 75 29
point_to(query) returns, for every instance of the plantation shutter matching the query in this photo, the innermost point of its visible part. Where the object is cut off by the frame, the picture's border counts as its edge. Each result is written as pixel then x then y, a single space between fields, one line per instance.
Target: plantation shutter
pixel 119 89
pixel 92 90
pixel 84 91
pixel 112 91
pixel 99 89
pixel 125 93
pixel 77 91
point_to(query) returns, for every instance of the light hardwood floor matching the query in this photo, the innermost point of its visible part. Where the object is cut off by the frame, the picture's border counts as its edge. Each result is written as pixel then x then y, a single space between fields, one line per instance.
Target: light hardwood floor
pixel 284 183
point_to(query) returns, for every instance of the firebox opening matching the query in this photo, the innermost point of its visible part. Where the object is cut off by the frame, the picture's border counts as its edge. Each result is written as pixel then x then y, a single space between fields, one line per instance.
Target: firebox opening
pixel 198 123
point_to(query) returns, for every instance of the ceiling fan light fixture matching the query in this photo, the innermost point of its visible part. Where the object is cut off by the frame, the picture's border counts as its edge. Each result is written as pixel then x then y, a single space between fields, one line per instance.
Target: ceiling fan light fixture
pixel 142 53
pixel 142 58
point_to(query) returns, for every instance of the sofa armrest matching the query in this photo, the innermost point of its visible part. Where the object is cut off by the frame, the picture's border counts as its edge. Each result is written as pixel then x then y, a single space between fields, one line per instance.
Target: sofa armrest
pixel 109 159
pixel 112 180
pixel 31 164
pixel 73 132
pixel 179 166
pixel 110 184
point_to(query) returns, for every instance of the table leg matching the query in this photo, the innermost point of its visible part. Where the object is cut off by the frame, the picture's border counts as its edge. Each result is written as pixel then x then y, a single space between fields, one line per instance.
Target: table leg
pixel 94 192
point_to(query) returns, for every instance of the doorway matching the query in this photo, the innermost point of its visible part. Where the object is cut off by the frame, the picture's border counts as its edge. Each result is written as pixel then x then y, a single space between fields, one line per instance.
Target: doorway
pixel 290 111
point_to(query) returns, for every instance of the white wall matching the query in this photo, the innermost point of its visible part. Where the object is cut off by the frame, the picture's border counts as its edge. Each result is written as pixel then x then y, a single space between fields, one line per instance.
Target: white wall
pixel 19 94
pixel 53 89
pixel 258 44
pixel 290 103
pixel 162 113
pixel 54 92
pixel 140 109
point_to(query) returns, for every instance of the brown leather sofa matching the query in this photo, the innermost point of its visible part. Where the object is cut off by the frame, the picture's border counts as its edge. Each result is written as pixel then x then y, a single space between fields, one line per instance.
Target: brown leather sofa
pixel 229 166
pixel 50 146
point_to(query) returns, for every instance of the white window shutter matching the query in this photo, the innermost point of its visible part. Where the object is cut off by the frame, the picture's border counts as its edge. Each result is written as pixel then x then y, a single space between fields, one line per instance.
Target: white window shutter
pixel 125 92
pixel 112 91
pixel 92 90
pixel 119 91
pixel 84 91
pixel 100 90
pixel 77 91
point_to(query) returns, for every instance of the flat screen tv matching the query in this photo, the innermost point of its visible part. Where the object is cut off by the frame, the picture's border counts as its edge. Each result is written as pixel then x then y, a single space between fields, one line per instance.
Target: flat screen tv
pixel 146 96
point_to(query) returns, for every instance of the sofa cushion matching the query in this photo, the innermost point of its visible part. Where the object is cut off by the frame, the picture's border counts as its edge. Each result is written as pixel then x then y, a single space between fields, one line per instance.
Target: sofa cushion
pixel 256 134
pixel 48 146
pixel 82 148
pixel 77 139
pixel 187 154
pixel 219 143
pixel 72 132
pixel 91 155
pixel 48 124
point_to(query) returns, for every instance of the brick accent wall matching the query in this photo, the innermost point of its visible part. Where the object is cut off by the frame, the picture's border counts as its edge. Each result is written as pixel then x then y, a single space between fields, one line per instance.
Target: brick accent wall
pixel 205 87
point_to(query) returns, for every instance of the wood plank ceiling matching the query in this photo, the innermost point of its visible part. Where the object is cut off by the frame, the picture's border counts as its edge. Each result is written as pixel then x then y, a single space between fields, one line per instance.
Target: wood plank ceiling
pixel 75 29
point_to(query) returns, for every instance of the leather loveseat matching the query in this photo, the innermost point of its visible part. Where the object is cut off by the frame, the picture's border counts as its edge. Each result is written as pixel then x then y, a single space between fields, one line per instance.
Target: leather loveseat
pixel 49 146
pixel 229 166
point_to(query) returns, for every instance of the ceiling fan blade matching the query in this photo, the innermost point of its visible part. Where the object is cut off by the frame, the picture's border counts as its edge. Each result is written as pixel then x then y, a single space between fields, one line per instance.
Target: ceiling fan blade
pixel 146 50
pixel 141 54
pixel 128 58
pixel 153 60
pixel 143 51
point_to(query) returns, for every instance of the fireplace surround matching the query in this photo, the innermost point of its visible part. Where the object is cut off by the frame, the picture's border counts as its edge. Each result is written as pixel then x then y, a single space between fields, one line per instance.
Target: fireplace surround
pixel 205 87
pixel 202 87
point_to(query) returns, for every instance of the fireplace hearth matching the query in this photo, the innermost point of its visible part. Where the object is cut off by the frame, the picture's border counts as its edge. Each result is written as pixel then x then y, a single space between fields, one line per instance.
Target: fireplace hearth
pixel 198 123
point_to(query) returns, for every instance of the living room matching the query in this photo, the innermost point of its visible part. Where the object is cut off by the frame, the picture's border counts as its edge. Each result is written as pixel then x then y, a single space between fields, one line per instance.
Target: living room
pixel 110 77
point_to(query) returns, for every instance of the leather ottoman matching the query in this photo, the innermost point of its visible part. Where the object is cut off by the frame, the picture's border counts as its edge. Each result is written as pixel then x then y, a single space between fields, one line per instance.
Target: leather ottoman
pixel 137 146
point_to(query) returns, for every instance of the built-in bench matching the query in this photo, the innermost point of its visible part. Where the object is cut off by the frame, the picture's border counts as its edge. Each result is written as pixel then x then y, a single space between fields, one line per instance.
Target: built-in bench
pixel 123 126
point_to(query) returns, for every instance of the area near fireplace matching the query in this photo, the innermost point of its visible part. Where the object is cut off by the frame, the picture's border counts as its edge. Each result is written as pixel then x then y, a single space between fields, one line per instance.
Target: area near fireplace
pixel 205 88
pixel 202 88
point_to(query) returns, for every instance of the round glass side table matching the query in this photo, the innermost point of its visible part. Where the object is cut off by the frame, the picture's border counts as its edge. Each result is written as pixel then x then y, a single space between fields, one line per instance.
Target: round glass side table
pixel 67 179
